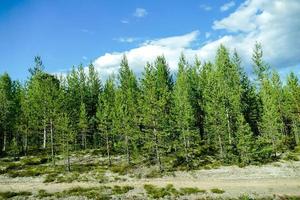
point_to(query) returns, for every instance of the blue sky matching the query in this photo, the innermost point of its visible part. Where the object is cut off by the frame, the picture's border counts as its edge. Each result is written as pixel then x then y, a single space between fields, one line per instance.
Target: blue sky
pixel 69 32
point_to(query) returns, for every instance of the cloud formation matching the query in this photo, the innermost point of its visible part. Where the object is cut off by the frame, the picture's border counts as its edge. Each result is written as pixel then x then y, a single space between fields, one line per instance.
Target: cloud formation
pixel 140 12
pixel 275 24
pixel 126 39
pixel 205 7
pixel 227 6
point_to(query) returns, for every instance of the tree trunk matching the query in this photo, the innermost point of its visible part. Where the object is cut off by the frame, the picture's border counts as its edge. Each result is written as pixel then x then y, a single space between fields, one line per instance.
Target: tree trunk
pixel 68 158
pixel 228 127
pixel 26 142
pixel 45 136
pixel 221 147
pixel 157 150
pixel 107 149
pixel 52 142
pixel 4 141
pixel 185 148
pixel 127 149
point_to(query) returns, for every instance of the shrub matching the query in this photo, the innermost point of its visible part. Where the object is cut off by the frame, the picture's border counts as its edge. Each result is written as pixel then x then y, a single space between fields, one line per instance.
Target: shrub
pixel 121 190
pixel 6 195
pixel 217 191
pixel 43 193
pixel 154 174
pixel 157 192
pixel 191 190
pixel 34 160
pixel 120 169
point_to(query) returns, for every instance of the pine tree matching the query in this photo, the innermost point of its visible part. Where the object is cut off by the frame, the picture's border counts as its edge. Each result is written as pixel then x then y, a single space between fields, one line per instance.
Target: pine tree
pixel 83 125
pixel 183 110
pixel 127 97
pixel 6 108
pixel 292 107
pixel 94 89
pixel 271 125
pixel 259 66
pixel 105 114
pixel 66 137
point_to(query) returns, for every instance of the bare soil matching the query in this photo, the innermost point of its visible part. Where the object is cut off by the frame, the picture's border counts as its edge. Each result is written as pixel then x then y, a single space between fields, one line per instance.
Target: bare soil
pixel 280 178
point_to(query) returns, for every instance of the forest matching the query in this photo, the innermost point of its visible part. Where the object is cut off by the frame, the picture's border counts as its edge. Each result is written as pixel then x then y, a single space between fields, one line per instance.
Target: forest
pixel 204 111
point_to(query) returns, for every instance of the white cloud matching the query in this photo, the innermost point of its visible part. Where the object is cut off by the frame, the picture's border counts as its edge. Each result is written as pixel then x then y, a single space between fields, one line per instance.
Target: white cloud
pixel 227 6
pixel 140 12
pixel 170 47
pixel 126 39
pixel 275 24
pixel 84 58
pixel 205 7
pixel 124 21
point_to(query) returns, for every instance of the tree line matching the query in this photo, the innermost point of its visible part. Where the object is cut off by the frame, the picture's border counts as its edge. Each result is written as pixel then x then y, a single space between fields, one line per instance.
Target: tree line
pixel 209 110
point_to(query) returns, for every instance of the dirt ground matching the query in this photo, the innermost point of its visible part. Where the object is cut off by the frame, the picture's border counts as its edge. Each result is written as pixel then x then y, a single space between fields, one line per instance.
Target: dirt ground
pixel 280 178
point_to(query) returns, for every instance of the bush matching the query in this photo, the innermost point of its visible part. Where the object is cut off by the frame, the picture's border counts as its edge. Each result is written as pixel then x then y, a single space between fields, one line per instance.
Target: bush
pixel 191 190
pixel 157 192
pixel 217 191
pixel 34 160
pixel 43 194
pixel 120 169
pixel 121 190
pixel 50 177
pixel 6 195
pixel 154 174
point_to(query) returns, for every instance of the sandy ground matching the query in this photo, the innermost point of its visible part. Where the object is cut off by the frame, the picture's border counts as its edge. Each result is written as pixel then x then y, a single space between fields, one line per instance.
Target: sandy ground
pixel 281 178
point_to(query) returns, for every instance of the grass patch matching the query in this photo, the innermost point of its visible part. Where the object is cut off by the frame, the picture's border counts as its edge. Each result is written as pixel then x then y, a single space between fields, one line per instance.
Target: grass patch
pixel 191 190
pixel 160 192
pixel 154 174
pixel 120 169
pixel 7 195
pixel 217 191
pixel 102 193
pixel 121 190
pixel 43 194
pixel 34 160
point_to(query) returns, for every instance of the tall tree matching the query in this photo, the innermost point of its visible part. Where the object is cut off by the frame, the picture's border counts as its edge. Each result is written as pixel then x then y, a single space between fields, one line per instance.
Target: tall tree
pixel 6 108
pixel 83 125
pixel 105 114
pixel 183 110
pixel 127 97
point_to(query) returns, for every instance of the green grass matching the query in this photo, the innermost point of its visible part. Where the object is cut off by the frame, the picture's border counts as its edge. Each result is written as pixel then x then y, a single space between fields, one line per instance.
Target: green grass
pixel 120 169
pixel 154 174
pixel 160 192
pixel 121 190
pixel 191 190
pixel 7 195
pixel 217 191
pixel 43 194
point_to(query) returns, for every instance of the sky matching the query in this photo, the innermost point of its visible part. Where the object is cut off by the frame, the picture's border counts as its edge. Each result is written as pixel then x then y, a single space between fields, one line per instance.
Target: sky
pixel 68 33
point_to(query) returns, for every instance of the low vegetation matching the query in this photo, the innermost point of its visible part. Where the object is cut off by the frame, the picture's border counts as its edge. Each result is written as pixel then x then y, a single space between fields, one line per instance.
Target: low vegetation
pixel 217 191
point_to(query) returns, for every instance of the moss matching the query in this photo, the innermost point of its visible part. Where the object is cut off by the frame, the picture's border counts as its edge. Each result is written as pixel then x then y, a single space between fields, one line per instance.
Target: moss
pixel 217 191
